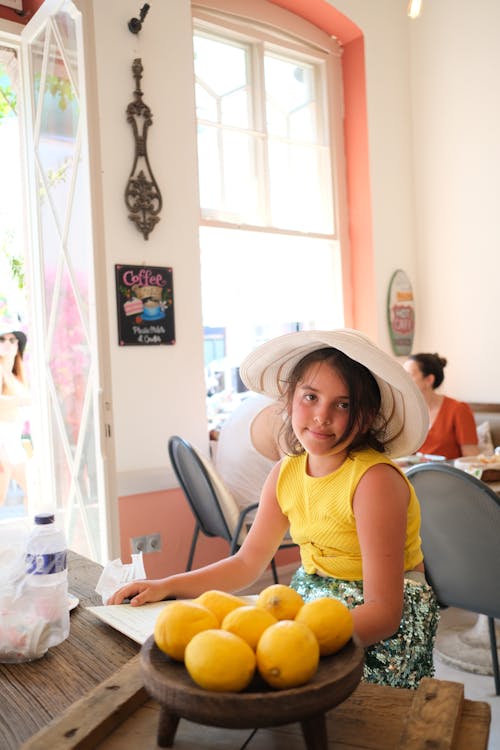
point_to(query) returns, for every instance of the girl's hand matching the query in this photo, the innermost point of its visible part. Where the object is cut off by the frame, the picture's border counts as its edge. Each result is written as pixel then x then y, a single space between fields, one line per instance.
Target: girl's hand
pixel 140 592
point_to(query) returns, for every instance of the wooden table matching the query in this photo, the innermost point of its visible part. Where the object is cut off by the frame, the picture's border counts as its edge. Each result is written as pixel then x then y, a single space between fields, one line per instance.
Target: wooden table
pixel 33 693
pixel 87 693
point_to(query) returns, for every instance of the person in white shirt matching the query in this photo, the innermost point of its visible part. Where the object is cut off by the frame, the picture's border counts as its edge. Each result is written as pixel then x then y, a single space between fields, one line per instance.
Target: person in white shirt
pixel 247 448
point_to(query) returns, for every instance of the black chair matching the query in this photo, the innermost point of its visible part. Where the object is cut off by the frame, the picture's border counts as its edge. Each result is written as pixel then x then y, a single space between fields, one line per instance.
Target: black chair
pixel 461 542
pixel 215 510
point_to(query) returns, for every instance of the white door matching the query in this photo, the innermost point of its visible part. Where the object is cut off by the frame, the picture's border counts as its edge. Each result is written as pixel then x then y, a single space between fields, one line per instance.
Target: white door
pixel 71 438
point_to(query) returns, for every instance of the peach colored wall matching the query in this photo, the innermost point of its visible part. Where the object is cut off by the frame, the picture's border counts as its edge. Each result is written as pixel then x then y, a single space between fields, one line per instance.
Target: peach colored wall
pixel 29 8
pixel 167 512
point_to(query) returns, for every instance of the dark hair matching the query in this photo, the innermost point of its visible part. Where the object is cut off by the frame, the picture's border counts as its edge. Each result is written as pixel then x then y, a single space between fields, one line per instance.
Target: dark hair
pixel 364 397
pixel 430 364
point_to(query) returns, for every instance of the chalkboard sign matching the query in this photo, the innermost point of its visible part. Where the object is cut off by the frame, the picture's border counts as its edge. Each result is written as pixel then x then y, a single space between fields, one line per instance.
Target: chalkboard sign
pixel 145 305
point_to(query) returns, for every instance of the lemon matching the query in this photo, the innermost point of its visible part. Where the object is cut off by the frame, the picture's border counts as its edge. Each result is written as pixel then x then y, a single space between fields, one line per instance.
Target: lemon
pixel 280 600
pixel 220 661
pixel 249 623
pixel 287 654
pixel 219 602
pixel 178 622
pixel 330 621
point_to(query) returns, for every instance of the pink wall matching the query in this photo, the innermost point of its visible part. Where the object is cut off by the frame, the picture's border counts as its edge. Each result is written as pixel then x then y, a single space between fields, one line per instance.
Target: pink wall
pixel 167 512
pixel 29 8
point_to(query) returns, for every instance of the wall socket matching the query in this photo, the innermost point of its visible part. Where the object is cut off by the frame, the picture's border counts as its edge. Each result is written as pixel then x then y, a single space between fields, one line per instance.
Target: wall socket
pixel 147 543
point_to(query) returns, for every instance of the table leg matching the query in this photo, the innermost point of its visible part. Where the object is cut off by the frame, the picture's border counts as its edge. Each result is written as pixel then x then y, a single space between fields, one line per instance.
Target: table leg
pixel 314 731
pixel 167 727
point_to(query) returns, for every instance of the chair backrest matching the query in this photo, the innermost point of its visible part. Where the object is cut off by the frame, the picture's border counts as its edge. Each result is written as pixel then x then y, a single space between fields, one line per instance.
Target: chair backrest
pixel 460 537
pixel 213 506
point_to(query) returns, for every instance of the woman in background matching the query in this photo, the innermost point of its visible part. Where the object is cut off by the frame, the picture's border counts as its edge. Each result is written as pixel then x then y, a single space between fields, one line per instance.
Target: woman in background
pixel 14 396
pixel 452 432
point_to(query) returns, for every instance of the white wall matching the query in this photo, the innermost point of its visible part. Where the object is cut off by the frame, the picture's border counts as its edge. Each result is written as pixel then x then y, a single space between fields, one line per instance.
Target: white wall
pixel 156 391
pixel 433 118
pixel 456 120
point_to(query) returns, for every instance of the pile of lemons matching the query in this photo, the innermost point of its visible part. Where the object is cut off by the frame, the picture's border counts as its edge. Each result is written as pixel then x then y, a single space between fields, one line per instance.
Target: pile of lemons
pixel 222 640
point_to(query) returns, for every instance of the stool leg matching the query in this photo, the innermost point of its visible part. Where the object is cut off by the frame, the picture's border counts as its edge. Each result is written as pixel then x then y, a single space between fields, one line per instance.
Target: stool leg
pixel 314 731
pixel 167 727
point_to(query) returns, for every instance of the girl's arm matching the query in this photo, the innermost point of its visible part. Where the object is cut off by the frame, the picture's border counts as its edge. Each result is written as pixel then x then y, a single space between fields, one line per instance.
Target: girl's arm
pixel 380 507
pixel 230 574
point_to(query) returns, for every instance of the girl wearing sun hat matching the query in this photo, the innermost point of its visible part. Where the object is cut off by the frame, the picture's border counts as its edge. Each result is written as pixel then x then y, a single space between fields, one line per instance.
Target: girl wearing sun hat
pixel 348 409
pixel 14 396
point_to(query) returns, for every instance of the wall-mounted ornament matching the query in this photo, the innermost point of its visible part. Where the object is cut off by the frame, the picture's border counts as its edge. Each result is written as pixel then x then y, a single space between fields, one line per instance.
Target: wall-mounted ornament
pixel 142 194
pixel 401 313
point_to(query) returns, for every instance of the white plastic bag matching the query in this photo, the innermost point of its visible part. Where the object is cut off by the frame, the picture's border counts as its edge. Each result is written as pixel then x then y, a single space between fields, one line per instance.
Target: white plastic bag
pixel 116 574
pixel 24 635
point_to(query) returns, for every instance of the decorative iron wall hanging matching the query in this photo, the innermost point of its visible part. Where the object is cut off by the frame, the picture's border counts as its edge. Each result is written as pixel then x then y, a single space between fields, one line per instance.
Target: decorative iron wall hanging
pixel 142 194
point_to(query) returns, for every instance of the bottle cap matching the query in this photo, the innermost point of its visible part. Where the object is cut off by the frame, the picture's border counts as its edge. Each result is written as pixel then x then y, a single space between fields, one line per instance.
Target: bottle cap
pixel 43 518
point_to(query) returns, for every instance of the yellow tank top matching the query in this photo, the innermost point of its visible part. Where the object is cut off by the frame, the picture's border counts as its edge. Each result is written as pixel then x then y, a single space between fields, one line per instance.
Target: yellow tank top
pixel 322 520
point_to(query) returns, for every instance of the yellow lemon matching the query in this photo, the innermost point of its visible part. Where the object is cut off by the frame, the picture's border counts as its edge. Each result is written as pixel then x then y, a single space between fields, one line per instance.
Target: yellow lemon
pixel 281 601
pixel 219 602
pixel 287 654
pixel 220 661
pixel 330 621
pixel 249 623
pixel 178 622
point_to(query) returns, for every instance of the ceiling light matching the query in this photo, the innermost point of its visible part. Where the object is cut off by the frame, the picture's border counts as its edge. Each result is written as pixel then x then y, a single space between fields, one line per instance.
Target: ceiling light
pixel 414 8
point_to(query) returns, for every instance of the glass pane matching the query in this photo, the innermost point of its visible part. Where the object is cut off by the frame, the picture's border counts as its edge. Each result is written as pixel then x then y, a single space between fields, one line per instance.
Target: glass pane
pixel 289 99
pixel 55 141
pixel 69 362
pixel 255 286
pixel 220 65
pixel 299 193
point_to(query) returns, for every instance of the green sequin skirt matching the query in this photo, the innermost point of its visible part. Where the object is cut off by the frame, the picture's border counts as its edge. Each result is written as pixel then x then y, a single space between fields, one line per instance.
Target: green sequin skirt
pixel 406 657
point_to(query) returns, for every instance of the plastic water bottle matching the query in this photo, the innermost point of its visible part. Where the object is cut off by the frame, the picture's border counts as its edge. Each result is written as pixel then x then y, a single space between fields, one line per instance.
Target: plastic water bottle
pixel 47 575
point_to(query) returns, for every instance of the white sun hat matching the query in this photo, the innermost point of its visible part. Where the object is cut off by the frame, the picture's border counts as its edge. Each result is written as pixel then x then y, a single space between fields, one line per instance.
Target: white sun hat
pixel 268 369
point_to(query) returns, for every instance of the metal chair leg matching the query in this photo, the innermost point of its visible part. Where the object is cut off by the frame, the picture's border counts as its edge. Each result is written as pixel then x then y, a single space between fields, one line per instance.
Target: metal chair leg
pixel 193 547
pixel 275 572
pixel 494 653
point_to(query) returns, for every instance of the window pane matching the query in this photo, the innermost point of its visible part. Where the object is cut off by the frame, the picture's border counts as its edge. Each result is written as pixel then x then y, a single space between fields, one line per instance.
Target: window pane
pixel 290 99
pixel 257 285
pixel 300 196
pixel 221 71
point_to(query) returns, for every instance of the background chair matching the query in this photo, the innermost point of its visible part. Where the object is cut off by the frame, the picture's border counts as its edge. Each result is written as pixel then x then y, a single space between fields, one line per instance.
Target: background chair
pixel 461 542
pixel 215 510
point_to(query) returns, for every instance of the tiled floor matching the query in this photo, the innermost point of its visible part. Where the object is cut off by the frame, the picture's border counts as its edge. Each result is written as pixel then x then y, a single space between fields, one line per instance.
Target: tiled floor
pixel 477 687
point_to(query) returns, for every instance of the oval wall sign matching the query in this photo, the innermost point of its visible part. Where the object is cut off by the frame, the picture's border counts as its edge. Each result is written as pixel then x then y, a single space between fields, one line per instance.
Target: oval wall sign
pixel 401 313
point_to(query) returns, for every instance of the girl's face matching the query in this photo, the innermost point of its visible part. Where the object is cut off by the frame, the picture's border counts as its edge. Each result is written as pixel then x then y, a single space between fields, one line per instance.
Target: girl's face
pixel 320 410
pixel 8 345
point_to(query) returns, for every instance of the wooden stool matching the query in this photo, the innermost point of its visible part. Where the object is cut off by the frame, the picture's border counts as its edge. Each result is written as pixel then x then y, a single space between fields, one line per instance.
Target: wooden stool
pixel 258 706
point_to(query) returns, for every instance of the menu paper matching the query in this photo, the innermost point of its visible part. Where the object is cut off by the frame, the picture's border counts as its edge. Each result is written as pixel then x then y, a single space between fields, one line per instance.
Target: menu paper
pixel 137 623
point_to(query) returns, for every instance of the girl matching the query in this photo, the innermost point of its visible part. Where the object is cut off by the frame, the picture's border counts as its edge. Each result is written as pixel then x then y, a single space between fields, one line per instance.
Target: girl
pixel 13 396
pixel 353 513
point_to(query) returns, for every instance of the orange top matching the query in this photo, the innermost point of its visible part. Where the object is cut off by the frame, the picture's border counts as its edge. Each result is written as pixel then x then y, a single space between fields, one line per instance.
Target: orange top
pixel 454 426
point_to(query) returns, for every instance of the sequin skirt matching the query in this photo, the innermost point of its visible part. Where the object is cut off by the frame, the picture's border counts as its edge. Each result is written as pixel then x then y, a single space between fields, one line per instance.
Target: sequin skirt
pixel 406 657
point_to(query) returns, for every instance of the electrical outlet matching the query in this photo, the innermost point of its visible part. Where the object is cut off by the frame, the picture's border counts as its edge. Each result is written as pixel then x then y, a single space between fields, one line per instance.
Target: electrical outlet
pixel 153 543
pixel 146 543
pixel 138 544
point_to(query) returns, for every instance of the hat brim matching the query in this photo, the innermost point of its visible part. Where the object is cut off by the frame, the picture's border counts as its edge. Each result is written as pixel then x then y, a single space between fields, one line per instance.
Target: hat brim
pixel 268 369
